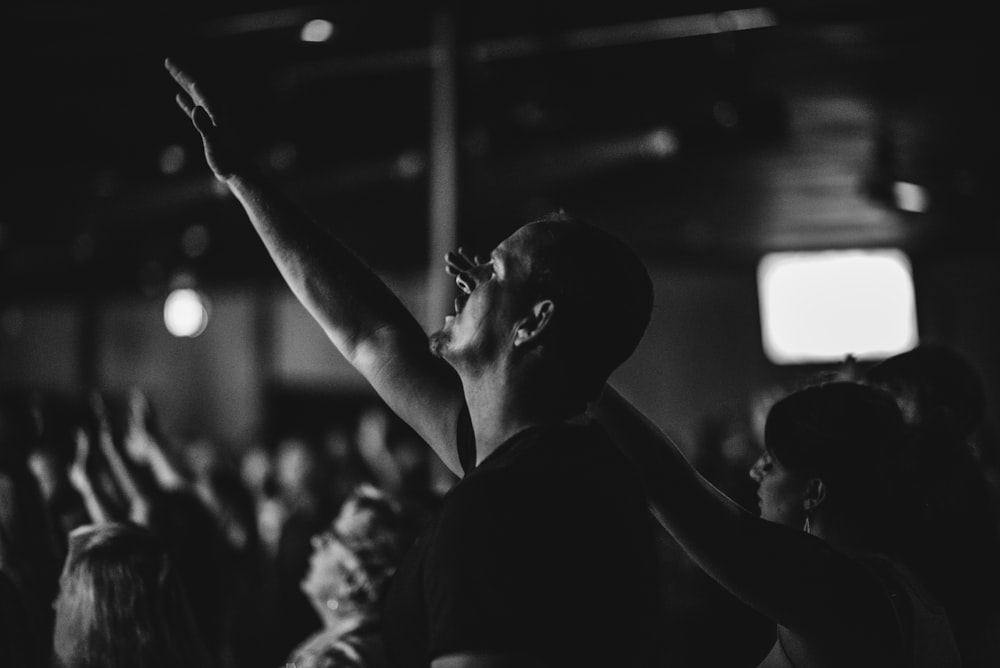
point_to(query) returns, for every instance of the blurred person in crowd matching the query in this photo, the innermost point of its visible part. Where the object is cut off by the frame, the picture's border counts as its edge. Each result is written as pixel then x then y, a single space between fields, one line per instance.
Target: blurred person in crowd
pixel 397 458
pixel 300 479
pixel 66 511
pixel 122 605
pixel 372 438
pixel 152 492
pixel 257 473
pixel 246 572
pixel 502 574
pixel 48 462
pixel 347 468
pixel 825 560
pixel 29 559
pixel 957 537
pixel 349 571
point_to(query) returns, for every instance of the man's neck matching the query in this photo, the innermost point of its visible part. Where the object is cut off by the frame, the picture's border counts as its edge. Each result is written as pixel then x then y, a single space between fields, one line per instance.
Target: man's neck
pixel 502 405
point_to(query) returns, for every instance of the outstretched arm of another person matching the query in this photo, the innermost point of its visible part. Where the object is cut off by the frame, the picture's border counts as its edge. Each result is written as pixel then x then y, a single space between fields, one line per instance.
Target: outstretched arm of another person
pixel 80 478
pixel 145 444
pixel 362 317
pixel 796 579
pixel 138 503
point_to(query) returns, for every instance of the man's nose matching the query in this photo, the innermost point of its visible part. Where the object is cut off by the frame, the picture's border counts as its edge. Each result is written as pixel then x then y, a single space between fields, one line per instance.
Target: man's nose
pixel 756 471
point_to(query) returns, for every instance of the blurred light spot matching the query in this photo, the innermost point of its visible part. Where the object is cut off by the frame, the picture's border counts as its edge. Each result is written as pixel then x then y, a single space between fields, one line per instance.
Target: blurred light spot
pixel 910 197
pixel 725 114
pixel 661 143
pixel 195 241
pixel 317 30
pixel 823 306
pixel 410 165
pixel 282 156
pixel 172 159
pixel 185 313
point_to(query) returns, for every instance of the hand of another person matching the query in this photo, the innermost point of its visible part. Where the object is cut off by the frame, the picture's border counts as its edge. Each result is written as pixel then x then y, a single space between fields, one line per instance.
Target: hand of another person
pixel 105 440
pixel 78 475
pixel 139 431
pixel 222 155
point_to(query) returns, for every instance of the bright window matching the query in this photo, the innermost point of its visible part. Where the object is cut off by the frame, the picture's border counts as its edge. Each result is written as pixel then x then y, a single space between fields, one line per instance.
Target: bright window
pixel 821 306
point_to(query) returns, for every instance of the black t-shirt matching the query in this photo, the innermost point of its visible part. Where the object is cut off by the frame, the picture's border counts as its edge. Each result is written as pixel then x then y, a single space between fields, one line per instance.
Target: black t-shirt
pixel 545 549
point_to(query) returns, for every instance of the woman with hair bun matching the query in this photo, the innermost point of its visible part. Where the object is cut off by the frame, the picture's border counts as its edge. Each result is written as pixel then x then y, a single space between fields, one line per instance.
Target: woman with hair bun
pixel 826 558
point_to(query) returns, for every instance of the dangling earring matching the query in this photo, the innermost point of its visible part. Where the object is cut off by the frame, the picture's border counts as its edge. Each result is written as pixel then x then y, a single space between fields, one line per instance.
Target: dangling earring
pixel 807 526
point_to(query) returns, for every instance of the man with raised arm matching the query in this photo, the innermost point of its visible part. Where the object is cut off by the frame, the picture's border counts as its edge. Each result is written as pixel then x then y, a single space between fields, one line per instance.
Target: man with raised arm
pixel 542 555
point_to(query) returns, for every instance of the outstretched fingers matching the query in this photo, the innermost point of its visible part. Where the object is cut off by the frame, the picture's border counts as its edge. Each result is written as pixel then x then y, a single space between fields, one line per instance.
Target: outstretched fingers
pixel 185 103
pixel 192 97
pixel 458 261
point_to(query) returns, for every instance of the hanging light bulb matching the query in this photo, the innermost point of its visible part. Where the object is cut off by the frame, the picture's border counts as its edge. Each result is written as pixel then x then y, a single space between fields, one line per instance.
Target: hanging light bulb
pixel 185 312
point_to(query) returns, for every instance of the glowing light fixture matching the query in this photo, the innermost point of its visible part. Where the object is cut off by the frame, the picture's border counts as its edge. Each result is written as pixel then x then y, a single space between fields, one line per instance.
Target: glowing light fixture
pixel 317 30
pixel 185 313
pixel 910 197
pixel 822 306
pixel 661 143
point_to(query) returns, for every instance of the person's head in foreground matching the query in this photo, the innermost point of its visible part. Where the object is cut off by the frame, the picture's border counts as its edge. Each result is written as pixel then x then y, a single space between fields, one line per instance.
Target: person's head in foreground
pixel 829 461
pixel 121 604
pixel 560 299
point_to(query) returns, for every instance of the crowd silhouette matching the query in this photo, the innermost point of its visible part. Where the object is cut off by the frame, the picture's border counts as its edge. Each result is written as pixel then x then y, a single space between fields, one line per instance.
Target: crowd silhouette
pixel 121 546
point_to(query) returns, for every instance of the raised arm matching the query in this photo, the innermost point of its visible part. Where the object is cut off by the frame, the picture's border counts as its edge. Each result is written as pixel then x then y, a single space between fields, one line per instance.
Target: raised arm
pixel 138 503
pixel 796 579
pixel 80 478
pixel 144 443
pixel 362 317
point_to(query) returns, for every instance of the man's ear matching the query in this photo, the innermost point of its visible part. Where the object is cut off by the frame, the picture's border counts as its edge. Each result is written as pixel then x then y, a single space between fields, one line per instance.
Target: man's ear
pixel 529 328
pixel 815 494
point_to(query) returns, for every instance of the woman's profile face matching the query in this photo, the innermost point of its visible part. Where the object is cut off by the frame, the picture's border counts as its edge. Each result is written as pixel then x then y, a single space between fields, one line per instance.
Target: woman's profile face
pixel 780 491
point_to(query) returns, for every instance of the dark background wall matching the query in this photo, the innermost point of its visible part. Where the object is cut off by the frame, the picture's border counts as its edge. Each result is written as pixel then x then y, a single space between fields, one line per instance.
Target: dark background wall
pixel 705 134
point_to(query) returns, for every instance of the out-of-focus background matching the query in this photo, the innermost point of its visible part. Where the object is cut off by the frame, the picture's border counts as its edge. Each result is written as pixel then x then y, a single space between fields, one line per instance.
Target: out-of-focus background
pixel 707 134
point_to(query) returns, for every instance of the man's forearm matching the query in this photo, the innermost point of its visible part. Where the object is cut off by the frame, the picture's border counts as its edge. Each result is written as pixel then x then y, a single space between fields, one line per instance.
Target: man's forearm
pixel 341 292
pixel 362 317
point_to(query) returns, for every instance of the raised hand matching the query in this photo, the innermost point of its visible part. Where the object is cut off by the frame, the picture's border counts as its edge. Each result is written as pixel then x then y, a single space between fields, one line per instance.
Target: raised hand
pixel 80 478
pixel 105 440
pixel 78 475
pixel 223 157
pixel 458 263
